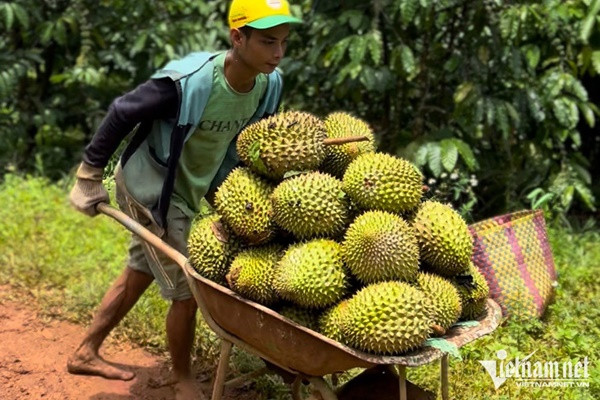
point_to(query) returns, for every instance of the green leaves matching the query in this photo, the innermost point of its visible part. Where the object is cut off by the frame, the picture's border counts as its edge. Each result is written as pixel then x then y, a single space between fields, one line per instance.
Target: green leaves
pixel 463 91
pixel 58 32
pixel 539 198
pixel 510 23
pixel 407 59
pixel 139 44
pixel 444 346
pixel 254 154
pixel 356 57
pixel 570 183
pixel 434 155
pixel 63 62
pixel 501 118
pixel 588 113
pixel 444 156
pixel 535 105
pixel 574 87
pixel 9 15
pixel 588 23
pixel 596 60
pixel 493 86
pixel 553 84
pixel 533 54
pixel 13 13
pixel 466 154
pixel 335 55
pixel 566 112
pixel 408 10
pixel 375 46
pixel 358 49
pixel 449 154
pixel 403 62
pixel 585 194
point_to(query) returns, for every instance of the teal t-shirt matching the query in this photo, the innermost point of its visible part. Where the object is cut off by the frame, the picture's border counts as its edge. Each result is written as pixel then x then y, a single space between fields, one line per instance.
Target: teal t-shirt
pixel 226 113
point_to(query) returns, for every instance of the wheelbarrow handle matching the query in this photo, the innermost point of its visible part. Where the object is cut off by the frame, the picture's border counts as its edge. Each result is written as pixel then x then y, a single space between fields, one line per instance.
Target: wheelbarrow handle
pixel 137 228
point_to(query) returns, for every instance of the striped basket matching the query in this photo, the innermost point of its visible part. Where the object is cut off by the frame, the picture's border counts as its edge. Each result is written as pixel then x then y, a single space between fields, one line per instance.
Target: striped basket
pixel 513 253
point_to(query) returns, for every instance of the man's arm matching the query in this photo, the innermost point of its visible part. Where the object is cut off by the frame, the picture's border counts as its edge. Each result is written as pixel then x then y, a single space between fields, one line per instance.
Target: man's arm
pixel 154 99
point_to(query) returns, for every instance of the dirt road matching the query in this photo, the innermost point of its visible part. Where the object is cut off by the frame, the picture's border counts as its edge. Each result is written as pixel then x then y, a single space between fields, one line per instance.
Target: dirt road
pixel 34 352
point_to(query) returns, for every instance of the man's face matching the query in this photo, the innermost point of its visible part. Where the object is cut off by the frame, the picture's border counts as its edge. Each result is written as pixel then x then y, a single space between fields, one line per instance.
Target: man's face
pixel 265 48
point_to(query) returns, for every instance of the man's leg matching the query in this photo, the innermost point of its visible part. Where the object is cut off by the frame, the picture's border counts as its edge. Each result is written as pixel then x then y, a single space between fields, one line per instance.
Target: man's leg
pixel 118 300
pixel 181 326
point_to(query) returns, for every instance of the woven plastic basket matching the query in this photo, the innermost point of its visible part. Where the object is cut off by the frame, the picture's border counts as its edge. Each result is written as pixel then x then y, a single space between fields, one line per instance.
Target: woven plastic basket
pixel 513 253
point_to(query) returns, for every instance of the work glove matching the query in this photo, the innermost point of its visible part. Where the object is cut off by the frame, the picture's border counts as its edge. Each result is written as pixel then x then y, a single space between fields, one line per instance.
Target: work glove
pixel 88 190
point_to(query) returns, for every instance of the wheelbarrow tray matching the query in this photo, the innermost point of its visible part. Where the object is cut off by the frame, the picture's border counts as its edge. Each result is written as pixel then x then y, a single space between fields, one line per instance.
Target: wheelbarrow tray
pixel 305 351
pixel 281 341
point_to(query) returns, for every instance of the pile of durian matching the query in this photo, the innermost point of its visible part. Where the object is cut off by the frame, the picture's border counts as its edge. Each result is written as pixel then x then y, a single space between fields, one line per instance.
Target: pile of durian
pixel 338 237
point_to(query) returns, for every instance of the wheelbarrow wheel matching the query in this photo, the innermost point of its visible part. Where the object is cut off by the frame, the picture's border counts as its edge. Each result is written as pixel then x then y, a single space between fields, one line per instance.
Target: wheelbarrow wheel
pixel 380 383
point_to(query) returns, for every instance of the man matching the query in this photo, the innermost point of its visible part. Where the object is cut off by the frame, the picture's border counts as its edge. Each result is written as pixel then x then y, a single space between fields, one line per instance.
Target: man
pixel 187 117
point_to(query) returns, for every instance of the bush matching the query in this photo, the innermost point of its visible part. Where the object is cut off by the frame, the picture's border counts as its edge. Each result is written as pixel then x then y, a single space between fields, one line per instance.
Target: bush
pixel 487 91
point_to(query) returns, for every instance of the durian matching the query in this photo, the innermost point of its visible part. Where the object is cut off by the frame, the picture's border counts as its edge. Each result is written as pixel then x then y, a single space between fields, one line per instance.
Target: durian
pixel 474 291
pixel 252 271
pixel 331 319
pixel 443 298
pixel 311 205
pixel 340 125
pixel 380 246
pixel 378 181
pixel 312 274
pixel 243 201
pixel 386 318
pixel 301 316
pixel 284 142
pixel 211 248
pixel 444 239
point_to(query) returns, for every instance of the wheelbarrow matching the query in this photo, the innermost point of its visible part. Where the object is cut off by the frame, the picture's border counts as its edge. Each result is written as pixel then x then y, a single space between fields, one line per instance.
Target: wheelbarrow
pixel 295 349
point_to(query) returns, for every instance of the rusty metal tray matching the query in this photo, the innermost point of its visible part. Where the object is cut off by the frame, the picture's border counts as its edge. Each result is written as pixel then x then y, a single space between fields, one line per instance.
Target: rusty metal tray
pixel 300 349
pixel 286 344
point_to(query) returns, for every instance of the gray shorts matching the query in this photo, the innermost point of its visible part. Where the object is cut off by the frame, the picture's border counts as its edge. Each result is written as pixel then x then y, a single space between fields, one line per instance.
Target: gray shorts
pixel 147 259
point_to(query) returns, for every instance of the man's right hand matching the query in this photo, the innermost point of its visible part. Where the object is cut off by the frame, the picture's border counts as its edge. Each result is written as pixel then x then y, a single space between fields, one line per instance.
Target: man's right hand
pixel 88 190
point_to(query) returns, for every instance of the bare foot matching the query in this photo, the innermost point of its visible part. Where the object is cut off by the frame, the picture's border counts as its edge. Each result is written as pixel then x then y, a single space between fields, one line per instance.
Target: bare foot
pixel 188 390
pixel 96 365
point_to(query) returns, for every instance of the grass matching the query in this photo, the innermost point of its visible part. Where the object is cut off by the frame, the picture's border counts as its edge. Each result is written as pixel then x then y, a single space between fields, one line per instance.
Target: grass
pixel 569 331
pixel 67 261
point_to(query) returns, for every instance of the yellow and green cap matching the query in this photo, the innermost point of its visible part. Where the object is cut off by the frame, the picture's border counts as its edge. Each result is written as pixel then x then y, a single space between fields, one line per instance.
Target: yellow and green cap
pixel 260 14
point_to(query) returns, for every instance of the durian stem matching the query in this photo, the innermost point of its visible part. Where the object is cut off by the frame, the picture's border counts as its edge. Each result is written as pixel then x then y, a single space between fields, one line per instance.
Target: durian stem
pixel 438 330
pixel 344 140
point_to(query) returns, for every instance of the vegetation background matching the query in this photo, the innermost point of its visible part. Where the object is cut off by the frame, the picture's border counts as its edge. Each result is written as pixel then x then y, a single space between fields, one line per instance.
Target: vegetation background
pixel 496 101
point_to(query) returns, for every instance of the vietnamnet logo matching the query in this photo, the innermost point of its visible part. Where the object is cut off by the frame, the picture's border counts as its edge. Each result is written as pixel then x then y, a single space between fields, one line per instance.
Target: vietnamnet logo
pixel 527 373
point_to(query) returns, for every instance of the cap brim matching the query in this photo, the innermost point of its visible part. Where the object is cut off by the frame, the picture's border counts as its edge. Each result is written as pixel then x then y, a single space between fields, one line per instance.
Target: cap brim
pixel 273 20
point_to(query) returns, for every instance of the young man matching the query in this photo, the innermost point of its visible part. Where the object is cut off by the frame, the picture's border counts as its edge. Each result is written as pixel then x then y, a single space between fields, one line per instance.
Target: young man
pixel 188 115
